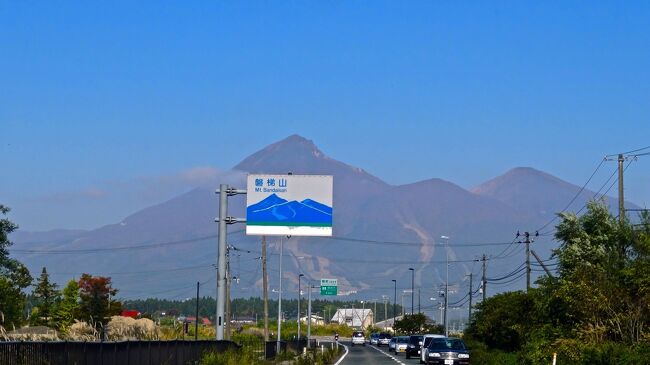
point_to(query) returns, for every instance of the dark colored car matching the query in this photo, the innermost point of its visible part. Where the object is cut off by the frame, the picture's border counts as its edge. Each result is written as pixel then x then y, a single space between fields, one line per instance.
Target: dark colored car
pixel 384 339
pixel 447 351
pixel 413 347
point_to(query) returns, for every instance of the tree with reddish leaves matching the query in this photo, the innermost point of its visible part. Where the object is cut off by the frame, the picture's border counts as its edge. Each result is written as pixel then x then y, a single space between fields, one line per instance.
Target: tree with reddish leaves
pixel 97 305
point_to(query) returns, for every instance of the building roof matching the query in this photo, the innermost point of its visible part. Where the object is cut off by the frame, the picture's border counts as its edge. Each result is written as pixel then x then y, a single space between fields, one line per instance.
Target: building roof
pixel 352 316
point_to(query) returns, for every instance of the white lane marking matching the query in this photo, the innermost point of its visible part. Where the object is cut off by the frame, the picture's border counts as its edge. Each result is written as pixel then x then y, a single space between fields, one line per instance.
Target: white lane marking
pixel 344 355
pixel 389 355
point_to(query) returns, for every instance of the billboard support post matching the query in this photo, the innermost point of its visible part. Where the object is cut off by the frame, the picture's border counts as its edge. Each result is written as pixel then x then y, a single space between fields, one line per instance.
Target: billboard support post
pixel 224 192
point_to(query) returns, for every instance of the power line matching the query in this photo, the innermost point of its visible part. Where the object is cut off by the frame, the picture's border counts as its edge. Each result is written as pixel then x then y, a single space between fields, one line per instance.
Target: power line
pixel 629 152
pixel 575 196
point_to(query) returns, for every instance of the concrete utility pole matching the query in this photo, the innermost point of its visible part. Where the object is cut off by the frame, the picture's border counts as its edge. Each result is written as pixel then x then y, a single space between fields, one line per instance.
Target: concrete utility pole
pixel 446 283
pixel 196 323
pixel 527 241
pixel 309 315
pixel 412 287
pixel 385 298
pixel 228 282
pixel 224 192
pixel 280 301
pixel 394 302
pixel 483 280
pixel 265 284
pixel 621 195
pixel 299 276
pixel 470 297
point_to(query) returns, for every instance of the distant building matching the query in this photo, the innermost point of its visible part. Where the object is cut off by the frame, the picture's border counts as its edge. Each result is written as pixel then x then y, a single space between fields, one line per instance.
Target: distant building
pixel 316 320
pixel 357 318
pixel 388 324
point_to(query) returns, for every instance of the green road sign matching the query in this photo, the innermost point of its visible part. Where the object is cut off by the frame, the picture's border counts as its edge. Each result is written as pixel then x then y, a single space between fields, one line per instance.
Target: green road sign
pixel 328 287
pixel 328 290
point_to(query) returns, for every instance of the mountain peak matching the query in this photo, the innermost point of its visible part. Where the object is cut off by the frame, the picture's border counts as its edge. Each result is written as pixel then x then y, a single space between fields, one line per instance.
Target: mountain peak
pixel 283 156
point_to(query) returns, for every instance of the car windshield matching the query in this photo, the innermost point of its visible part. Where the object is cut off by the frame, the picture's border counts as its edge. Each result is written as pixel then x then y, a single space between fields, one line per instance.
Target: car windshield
pixel 358 334
pixel 427 341
pixel 403 339
pixel 447 344
pixel 384 335
pixel 415 340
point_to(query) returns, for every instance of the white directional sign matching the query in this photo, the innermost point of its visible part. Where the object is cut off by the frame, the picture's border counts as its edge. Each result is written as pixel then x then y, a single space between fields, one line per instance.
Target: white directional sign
pixel 297 205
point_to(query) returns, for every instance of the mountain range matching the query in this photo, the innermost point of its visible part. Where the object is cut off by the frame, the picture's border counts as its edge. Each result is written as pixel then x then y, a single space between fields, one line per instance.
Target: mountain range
pixel 380 231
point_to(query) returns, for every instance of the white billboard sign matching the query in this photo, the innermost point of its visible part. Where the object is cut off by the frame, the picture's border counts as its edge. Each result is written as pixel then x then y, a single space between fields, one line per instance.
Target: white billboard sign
pixel 296 205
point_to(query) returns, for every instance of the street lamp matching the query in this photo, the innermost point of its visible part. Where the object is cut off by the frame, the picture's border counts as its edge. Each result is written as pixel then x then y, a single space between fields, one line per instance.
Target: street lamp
pixel 299 292
pixel 446 283
pixel 412 287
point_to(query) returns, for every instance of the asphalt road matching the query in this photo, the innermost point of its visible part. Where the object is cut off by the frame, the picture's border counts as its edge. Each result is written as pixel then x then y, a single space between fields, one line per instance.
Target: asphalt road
pixel 369 354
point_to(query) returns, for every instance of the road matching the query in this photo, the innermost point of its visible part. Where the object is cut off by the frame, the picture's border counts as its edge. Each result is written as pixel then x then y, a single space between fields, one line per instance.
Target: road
pixel 372 355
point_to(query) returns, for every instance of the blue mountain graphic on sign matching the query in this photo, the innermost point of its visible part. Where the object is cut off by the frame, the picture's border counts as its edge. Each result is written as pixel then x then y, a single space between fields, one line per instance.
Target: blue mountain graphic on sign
pixel 274 210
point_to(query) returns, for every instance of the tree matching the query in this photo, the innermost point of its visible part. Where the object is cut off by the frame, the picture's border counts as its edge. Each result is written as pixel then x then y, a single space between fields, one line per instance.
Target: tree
pixel 604 267
pixel 14 277
pixel 47 296
pixel 416 323
pixel 67 309
pixel 503 321
pixel 96 304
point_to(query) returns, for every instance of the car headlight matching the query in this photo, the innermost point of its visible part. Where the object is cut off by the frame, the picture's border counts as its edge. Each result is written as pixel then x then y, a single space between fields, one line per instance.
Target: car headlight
pixel 411 346
pixel 434 354
pixel 463 356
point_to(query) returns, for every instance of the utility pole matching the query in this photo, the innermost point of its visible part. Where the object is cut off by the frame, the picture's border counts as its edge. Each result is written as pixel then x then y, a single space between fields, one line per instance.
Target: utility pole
pixel 309 315
pixel 394 302
pixel 224 220
pixel 412 287
pixel 265 283
pixel 228 283
pixel 446 283
pixel 196 323
pixel 280 301
pixel 299 276
pixel 385 298
pixel 419 307
pixel 527 262
pixel 483 280
pixel 527 241
pixel 470 297
pixel 621 195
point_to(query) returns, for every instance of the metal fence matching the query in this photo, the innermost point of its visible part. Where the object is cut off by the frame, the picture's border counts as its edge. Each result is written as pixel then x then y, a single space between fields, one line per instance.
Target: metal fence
pixel 109 353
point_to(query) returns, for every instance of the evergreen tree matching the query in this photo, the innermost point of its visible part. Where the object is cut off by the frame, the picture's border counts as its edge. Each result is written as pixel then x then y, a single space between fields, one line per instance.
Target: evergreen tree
pixel 46 296
pixel 14 277
pixel 67 309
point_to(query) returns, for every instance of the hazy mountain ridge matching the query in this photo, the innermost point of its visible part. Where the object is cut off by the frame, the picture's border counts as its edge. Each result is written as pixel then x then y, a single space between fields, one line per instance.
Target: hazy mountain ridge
pixel 415 215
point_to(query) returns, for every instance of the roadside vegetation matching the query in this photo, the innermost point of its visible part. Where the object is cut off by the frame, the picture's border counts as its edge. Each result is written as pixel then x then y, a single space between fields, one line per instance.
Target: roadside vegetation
pixel 596 311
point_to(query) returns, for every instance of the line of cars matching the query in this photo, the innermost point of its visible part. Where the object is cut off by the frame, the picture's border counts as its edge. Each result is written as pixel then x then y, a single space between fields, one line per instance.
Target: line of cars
pixel 430 348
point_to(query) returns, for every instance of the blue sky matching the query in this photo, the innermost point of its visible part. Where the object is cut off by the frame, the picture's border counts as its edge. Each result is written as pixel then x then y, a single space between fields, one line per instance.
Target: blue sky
pixel 107 108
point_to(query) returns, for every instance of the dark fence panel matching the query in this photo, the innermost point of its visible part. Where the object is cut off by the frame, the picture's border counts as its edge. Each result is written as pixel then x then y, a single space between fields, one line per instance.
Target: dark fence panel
pixel 108 353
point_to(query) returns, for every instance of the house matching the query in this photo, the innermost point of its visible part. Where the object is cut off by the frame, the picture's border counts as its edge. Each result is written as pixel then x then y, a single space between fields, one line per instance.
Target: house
pixel 356 318
pixel 387 325
pixel 315 320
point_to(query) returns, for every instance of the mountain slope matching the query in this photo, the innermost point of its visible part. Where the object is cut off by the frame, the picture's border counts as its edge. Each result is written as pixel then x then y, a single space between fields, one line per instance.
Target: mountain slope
pixel 379 232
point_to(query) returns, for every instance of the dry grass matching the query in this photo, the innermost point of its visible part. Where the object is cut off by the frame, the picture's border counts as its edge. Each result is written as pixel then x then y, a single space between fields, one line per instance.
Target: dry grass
pixel 126 328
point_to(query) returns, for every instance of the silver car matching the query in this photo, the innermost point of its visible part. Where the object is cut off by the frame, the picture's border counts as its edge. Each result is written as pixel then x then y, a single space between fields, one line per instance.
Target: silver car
pixel 358 338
